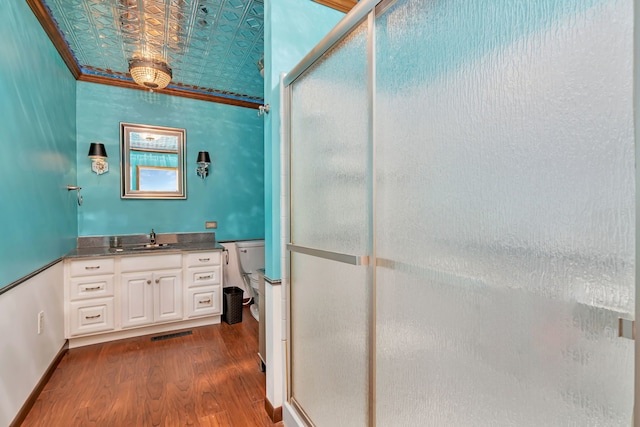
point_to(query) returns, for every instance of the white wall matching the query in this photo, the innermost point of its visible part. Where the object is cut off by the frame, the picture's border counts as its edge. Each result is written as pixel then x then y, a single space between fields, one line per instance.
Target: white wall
pixel 232 275
pixel 25 355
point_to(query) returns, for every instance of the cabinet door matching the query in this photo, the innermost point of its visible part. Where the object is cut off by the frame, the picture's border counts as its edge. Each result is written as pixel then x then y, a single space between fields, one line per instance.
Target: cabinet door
pixel 137 299
pixel 167 289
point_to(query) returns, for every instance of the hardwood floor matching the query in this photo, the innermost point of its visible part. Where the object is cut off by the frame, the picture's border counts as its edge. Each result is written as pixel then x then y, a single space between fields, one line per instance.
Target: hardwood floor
pixel 209 378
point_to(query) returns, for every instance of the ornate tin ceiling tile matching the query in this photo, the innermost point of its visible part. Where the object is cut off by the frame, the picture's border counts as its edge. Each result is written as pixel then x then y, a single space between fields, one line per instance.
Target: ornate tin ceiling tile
pixel 211 45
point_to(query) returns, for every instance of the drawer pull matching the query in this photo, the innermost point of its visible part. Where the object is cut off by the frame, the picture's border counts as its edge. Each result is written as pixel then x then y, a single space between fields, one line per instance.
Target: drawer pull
pixel 205 301
pixel 93 288
pixel 204 259
pixel 157 280
pixel 93 317
pixel 204 277
pixel 148 282
pixel 95 267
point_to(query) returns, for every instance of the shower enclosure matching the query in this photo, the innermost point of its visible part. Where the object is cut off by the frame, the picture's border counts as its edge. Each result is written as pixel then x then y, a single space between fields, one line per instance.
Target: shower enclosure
pixel 462 216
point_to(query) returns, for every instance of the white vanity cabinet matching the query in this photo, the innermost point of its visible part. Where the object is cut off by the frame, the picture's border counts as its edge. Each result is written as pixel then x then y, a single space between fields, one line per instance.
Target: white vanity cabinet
pixel 203 283
pixel 89 296
pixel 151 289
pixel 117 296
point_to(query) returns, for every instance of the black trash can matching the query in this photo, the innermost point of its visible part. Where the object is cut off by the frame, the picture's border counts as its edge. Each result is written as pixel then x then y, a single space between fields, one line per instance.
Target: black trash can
pixel 232 305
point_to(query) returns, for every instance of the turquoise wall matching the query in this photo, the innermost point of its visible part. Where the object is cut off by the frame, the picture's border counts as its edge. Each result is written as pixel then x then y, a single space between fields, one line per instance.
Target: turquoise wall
pixel 38 102
pixel 37 106
pixel 233 194
pixel 292 29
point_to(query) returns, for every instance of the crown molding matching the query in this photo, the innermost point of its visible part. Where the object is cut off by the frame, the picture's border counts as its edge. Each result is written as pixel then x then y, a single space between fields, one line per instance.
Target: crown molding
pixel 173 91
pixel 341 5
pixel 40 11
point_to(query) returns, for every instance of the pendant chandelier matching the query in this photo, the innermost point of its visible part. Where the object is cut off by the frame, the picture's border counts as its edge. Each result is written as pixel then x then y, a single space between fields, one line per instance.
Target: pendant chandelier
pixel 150 73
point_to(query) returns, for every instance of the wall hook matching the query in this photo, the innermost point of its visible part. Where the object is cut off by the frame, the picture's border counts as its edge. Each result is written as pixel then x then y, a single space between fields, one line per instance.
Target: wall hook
pixel 263 109
pixel 74 187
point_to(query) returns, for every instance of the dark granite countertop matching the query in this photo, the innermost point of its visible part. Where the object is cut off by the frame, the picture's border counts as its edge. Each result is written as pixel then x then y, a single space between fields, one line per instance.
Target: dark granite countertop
pixel 134 244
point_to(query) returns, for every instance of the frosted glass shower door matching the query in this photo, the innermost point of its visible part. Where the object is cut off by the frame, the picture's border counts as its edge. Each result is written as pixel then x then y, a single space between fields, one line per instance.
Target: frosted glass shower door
pixel 330 283
pixel 504 213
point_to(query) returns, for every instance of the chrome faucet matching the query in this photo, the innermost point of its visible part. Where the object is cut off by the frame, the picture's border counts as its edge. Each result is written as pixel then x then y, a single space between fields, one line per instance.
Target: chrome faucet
pixel 152 237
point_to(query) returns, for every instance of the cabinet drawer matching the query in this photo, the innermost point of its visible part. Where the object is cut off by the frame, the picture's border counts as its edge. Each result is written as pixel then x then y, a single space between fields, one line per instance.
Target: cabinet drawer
pixel 200 259
pixel 151 262
pixel 203 301
pixel 87 317
pixel 91 287
pixel 91 267
pixel 203 276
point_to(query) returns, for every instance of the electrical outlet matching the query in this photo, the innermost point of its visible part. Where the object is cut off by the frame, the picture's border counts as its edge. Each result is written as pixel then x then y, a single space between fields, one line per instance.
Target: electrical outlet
pixel 40 322
pixel 211 224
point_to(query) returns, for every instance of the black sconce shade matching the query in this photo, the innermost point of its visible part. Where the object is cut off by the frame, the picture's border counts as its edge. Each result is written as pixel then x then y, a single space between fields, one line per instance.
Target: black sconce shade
pixel 203 157
pixel 97 150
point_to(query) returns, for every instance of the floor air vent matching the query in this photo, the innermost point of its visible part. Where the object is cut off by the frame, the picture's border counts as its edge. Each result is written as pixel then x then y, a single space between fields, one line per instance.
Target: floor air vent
pixel 175 335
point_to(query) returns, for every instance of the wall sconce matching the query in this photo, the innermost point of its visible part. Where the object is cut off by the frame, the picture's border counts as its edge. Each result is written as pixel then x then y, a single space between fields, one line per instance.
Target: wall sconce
pixel 98 154
pixel 203 164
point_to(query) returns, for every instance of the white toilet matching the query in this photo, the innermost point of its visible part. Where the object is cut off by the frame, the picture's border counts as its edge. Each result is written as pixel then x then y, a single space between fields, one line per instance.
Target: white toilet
pixel 244 262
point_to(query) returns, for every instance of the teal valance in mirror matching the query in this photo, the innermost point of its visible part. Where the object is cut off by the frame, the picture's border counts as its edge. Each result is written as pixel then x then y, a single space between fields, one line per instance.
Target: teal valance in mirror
pixel 153 162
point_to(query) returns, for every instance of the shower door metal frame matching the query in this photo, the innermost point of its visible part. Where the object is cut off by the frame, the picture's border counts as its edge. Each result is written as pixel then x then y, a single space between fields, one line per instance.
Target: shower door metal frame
pixel 364 10
pixel 636 129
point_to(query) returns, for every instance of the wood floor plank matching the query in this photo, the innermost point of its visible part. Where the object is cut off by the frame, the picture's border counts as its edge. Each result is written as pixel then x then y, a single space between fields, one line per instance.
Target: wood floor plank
pixel 209 378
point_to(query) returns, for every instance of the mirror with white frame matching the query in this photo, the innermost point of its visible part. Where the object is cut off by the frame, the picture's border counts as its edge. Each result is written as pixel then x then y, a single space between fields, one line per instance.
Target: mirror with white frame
pixel 152 162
